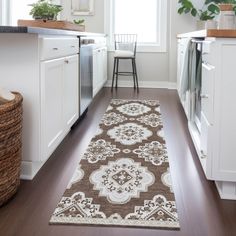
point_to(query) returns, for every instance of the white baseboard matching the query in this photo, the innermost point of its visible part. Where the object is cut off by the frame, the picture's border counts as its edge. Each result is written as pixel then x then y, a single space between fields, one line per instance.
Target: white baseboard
pixel 143 84
pixel 227 190
pixel 30 169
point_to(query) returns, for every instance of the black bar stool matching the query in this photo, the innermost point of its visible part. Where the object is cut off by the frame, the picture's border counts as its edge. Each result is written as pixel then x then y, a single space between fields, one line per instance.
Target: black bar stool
pixel 125 49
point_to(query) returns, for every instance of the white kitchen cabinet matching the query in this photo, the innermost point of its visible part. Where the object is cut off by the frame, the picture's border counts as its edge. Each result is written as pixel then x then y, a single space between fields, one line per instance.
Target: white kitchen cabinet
pixel 221 113
pixel 99 69
pixel 59 91
pixel 70 91
pixel 59 100
pixel 216 148
pixel 44 69
pixel 51 105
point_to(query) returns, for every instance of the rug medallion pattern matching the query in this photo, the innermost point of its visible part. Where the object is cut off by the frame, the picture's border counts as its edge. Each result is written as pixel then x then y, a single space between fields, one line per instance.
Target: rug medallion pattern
pixel 124 177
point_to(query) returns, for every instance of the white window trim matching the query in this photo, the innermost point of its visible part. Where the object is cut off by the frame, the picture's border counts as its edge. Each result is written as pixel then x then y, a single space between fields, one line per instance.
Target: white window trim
pixel 109 26
pixel 4 12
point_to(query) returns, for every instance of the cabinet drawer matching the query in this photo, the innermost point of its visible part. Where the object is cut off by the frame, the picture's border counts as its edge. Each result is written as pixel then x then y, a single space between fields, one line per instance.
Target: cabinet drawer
pixel 207 94
pixel 51 48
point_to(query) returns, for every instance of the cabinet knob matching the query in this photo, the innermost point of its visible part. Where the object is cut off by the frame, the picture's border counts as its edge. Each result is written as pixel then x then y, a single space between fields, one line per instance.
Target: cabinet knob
pixel 55 49
pixel 203 156
pixel 204 96
pixel 66 61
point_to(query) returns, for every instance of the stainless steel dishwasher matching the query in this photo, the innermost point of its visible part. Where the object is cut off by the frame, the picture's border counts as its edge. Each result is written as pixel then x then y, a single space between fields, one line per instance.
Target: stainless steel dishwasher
pixel 86 73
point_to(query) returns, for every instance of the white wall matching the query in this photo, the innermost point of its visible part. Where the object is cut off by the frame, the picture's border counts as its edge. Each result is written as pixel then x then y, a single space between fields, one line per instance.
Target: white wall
pixel 153 68
pixel 93 23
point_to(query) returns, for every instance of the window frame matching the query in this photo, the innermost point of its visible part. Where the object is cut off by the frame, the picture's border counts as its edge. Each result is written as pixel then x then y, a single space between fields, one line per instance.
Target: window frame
pixel 141 47
pixel 4 12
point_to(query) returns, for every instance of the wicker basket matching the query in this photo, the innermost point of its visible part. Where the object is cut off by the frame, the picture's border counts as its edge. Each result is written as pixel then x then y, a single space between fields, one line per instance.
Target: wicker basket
pixel 10 146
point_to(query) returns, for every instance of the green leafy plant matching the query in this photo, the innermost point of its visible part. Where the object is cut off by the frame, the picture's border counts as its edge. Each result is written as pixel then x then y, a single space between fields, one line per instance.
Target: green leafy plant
pixel 79 21
pixel 233 2
pixel 44 9
pixel 208 11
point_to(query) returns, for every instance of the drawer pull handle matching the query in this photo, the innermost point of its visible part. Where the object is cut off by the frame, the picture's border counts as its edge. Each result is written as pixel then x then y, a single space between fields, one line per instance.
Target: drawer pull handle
pixel 205 96
pixel 72 46
pixel 66 61
pixel 55 49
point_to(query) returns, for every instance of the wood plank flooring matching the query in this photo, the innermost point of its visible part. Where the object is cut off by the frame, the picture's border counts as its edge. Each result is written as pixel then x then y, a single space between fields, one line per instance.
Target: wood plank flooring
pixel 201 211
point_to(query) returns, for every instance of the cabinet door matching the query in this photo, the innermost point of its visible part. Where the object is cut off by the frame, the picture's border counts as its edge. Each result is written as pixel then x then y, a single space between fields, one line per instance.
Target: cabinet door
pixel 207 96
pixel 99 69
pixel 96 71
pixel 51 105
pixel 70 91
pixel 104 61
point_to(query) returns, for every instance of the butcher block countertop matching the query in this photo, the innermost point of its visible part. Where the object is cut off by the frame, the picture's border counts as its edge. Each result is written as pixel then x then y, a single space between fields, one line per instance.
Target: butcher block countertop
pixel 209 33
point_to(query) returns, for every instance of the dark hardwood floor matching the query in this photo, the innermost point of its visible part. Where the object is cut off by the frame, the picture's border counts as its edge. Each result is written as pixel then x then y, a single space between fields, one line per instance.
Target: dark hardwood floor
pixel 201 211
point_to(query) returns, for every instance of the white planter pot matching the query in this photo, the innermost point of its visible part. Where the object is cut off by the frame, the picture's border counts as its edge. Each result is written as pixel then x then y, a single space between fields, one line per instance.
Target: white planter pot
pixel 209 24
pixel 201 25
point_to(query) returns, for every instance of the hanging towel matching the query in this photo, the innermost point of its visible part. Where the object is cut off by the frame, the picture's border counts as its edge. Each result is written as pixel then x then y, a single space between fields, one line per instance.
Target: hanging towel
pixel 184 73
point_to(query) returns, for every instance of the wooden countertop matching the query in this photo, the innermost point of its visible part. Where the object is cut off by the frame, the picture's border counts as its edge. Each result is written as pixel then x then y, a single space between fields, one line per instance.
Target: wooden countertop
pixel 209 33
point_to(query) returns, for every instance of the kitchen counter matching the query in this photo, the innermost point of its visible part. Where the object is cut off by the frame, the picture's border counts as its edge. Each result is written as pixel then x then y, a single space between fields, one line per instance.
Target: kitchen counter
pixel 46 31
pixel 209 102
pixel 209 33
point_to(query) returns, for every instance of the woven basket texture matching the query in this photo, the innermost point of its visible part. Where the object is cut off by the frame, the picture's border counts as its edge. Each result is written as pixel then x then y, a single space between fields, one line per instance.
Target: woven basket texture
pixel 11 114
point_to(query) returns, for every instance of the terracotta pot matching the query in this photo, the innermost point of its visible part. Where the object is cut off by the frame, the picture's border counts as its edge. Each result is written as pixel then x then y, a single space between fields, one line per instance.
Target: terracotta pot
pixel 226 6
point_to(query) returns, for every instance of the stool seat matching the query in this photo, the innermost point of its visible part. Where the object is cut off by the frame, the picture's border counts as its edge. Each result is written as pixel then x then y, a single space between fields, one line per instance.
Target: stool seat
pixel 123 54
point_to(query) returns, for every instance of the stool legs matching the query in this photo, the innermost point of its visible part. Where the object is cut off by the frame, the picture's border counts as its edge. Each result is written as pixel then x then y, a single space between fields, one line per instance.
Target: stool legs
pixel 114 71
pixel 117 71
pixel 136 75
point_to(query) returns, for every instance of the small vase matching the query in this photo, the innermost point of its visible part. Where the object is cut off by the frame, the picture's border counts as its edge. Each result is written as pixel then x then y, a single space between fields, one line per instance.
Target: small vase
pixel 211 24
pixel 201 25
pixel 226 17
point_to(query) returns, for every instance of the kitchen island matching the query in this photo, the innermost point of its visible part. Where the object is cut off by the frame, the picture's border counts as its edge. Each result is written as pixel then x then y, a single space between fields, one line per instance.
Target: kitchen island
pixel 212 125
pixel 43 65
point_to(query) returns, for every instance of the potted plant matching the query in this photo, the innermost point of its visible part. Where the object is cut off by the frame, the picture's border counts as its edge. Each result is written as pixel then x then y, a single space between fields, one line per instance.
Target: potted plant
pixel 224 5
pixel 45 10
pixel 227 13
pixel 205 15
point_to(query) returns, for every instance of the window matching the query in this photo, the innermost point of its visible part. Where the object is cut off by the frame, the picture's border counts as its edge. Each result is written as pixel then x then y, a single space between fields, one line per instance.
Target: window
pixel 19 10
pixel 12 10
pixel 3 12
pixel 147 18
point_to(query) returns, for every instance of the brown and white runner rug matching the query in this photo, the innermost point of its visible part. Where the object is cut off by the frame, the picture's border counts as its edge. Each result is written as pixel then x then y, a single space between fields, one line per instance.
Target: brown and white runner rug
pixel 123 178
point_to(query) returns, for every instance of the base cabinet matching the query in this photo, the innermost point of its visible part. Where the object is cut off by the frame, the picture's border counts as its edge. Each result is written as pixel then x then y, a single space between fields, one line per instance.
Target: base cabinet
pixel 52 105
pixel 59 100
pixel 215 143
pixel 44 69
pixel 70 91
pixel 99 69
